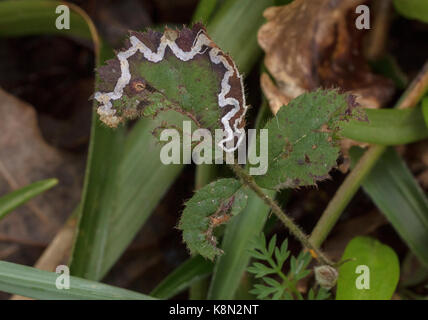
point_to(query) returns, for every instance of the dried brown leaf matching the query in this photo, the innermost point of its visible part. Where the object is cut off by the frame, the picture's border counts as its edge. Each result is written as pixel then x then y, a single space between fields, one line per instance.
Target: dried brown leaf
pixel 25 158
pixel 311 44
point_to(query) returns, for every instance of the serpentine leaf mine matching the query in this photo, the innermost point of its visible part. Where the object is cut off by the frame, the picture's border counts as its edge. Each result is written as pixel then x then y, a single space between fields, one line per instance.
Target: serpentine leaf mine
pixel 175 70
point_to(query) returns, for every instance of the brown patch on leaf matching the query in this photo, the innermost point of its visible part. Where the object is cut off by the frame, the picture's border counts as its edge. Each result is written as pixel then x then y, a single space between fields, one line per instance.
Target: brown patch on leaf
pixel 137 86
pixel 150 38
pixel 187 36
pixel 109 73
pixel 221 216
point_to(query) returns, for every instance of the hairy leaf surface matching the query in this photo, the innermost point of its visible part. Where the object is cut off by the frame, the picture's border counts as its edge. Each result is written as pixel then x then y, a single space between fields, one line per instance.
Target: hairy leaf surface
pixel 210 207
pixel 303 138
pixel 183 71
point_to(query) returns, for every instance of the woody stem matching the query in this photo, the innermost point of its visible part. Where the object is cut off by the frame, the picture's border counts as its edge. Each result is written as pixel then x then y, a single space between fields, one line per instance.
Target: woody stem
pixel 295 230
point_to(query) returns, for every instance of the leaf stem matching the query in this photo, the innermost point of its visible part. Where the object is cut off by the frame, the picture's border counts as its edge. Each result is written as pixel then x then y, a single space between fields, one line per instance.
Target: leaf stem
pixel 248 180
pixel 353 181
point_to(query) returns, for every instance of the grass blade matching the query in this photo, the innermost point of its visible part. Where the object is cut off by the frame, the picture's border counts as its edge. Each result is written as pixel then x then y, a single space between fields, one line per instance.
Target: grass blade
pixel 425 110
pixel 36 17
pixel 142 181
pixel 388 127
pixel 34 283
pixel 397 194
pixel 124 183
pixel 242 19
pixel 188 273
pixel 14 199
pixel 205 10
pixel 97 202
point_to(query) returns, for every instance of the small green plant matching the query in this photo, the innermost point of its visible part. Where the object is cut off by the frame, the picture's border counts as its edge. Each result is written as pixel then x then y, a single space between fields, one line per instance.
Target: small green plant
pixel 275 258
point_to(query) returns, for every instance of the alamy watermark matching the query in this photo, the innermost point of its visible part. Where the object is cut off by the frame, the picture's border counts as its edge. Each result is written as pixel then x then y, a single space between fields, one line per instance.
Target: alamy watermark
pixel 63 279
pixel 363 20
pixel 63 20
pixel 363 280
pixel 182 146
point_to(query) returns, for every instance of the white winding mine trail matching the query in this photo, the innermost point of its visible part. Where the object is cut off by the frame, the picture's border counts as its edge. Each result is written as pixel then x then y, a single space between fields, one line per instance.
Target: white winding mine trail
pixel 215 54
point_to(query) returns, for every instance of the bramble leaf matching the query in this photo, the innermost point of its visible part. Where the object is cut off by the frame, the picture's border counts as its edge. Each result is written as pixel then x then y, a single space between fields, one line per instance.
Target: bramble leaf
pixel 181 71
pixel 210 207
pixel 303 138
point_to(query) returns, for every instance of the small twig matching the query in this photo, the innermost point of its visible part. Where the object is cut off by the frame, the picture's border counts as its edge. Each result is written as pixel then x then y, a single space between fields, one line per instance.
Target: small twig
pixel 276 209
pixel 378 34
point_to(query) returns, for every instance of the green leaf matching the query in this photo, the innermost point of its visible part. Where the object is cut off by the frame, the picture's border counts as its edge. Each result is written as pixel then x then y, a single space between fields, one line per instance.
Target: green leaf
pixel 188 273
pixel 208 208
pixel 256 254
pixel 398 195
pixel 388 127
pixel 260 270
pixel 298 270
pixel 262 291
pixel 141 180
pixel 378 282
pixel 240 202
pixel 272 245
pixel 96 207
pixel 181 71
pixel 302 139
pixel 322 294
pixel 272 282
pixel 35 17
pixel 311 294
pixel 281 254
pixel 39 284
pixel 260 243
pixel 14 199
pixel 387 65
pixel 298 265
pixel 413 9
pixel 205 10
pixel 261 252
